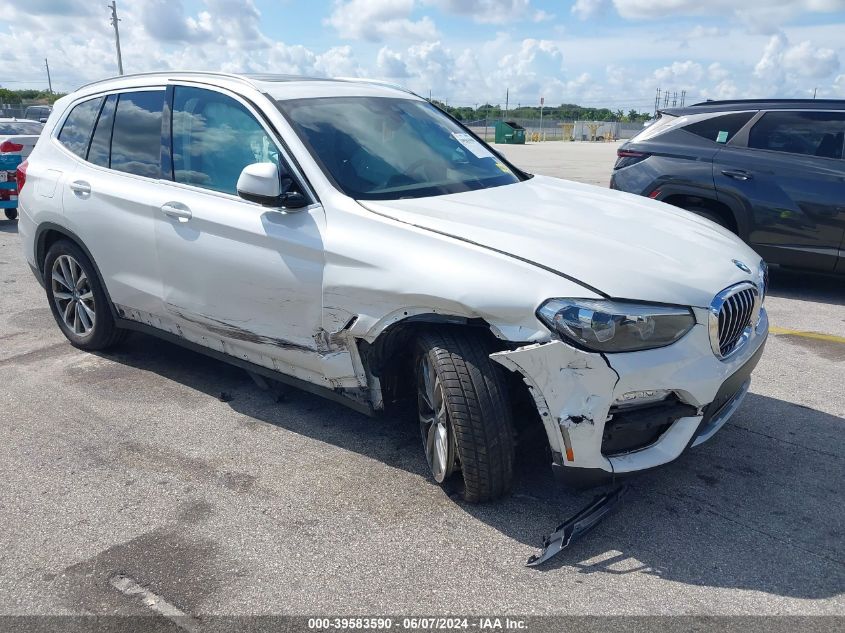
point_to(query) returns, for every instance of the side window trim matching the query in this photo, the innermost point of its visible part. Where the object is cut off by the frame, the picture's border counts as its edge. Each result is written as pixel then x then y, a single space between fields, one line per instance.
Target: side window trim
pixel 167 172
pixel 740 139
pixel 285 154
pixel 94 127
pixel 106 98
pixel 57 129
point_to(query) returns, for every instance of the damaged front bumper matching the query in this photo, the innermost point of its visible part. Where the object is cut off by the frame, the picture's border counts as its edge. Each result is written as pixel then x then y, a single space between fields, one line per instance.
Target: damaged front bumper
pixel 607 414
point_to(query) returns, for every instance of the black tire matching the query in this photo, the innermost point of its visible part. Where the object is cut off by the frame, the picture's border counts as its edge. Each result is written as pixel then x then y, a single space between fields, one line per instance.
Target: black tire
pixel 475 394
pixel 710 215
pixel 103 333
pixel 11 214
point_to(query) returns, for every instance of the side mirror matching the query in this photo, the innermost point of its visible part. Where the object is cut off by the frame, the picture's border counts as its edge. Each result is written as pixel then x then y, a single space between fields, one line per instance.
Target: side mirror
pixel 260 182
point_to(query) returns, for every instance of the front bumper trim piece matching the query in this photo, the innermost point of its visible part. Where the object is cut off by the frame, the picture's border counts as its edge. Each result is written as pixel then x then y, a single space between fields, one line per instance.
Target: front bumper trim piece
pixel 578 525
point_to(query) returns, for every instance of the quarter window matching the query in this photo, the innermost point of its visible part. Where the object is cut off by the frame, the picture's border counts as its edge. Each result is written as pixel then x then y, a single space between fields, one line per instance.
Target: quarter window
pixel 720 129
pixel 214 138
pixel 814 133
pixel 136 139
pixel 76 131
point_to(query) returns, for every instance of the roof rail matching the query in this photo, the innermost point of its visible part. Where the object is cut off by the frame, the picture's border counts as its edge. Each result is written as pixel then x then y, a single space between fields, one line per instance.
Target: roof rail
pixel 171 74
pixel 377 82
pixel 750 101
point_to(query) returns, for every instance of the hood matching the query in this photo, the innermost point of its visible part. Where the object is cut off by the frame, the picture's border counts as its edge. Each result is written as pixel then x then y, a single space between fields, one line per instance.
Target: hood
pixel 624 246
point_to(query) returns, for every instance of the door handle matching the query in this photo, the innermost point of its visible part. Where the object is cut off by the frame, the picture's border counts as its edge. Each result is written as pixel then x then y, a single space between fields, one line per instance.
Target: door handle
pixel 177 211
pixel 80 187
pixel 736 174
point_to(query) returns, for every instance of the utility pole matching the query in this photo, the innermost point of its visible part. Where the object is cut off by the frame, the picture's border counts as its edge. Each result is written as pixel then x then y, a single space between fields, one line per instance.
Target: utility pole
pixel 49 81
pixel 542 131
pixel 683 97
pixel 814 92
pixel 507 94
pixel 114 21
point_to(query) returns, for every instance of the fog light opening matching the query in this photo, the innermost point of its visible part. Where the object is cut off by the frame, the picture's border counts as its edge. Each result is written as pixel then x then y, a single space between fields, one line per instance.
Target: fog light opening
pixel 641 397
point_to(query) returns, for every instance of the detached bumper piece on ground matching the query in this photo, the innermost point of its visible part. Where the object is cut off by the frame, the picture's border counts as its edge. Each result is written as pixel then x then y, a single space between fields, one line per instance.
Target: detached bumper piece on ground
pixel 574 528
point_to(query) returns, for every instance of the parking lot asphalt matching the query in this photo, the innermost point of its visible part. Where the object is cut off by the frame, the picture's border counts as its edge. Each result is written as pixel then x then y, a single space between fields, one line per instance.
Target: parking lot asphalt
pixel 176 471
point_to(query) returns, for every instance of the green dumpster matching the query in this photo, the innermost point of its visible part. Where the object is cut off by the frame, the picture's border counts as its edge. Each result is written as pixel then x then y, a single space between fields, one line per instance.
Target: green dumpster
pixel 510 132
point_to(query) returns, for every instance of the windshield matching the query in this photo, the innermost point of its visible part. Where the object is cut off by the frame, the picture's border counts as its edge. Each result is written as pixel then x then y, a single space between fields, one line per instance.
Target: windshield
pixel 379 148
pixel 20 127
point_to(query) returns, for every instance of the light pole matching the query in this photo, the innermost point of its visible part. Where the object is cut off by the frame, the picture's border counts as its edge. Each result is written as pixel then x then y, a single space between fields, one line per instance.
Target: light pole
pixel 114 21
pixel 49 81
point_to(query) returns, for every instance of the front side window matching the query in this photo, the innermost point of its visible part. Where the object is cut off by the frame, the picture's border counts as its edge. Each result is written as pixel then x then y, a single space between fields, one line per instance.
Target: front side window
pixel 380 148
pixel 136 138
pixel 214 138
pixel 76 131
pixel 811 133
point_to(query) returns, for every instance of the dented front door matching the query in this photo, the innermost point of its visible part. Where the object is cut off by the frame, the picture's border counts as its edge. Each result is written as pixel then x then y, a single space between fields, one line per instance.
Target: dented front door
pixel 238 277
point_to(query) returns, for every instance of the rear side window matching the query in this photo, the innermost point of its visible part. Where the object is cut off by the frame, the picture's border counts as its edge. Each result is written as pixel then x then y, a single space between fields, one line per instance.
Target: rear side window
pixel 76 131
pixel 819 134
pixel 99 151
pixel 722 128
pixel 136 138
pixel 214 138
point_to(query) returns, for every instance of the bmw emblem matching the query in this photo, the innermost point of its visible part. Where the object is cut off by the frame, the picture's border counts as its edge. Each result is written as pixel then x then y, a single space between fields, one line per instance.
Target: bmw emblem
pixel 741 266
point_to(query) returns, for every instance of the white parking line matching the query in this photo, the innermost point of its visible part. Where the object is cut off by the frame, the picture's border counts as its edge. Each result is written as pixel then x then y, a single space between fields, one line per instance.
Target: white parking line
pixel 128 587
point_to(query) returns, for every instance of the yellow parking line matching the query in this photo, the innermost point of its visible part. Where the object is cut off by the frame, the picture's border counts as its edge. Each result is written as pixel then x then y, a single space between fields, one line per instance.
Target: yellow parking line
pixel 830 338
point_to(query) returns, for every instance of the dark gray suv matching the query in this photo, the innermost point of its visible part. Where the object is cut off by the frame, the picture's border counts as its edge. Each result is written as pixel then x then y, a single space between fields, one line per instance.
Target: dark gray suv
pixel 771 171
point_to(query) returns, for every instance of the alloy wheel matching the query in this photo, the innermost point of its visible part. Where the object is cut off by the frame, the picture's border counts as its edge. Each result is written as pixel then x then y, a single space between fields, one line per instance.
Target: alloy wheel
pixel 435 429
pixel 73 295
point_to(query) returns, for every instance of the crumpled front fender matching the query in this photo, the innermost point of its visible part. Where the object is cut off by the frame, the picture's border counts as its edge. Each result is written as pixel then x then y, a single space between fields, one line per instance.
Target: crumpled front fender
pixel 573 391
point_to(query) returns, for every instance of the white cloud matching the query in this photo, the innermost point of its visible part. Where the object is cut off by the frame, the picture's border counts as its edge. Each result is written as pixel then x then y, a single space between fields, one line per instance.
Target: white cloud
pixel 680 74
pixel 782 63
pixel 378 20
pixel 493 11
pixel 586 9
pixel 700 31
pixel 644 9
pixel 809 61
pixel 606 64
pixel 390 64
pixel 716 72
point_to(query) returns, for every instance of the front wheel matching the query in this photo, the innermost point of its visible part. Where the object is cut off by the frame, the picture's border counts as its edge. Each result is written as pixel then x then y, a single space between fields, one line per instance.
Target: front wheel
pixel 464 413
pixel 77 299
pixel 11 214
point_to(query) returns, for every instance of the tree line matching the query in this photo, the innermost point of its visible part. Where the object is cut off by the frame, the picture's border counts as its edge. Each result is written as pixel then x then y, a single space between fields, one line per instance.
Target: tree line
pixel 16 97
pixel 563 112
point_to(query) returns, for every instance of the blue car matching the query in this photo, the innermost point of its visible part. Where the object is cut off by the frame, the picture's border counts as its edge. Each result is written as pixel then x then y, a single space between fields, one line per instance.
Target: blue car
pixel 17 138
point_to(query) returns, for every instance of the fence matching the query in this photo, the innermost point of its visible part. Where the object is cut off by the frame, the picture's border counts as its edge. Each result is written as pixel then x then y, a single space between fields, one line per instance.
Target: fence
pixel 18 111
pixel 557 130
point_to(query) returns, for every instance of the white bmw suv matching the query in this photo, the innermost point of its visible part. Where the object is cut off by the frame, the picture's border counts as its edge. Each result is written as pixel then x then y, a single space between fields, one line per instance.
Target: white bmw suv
pixel 350 238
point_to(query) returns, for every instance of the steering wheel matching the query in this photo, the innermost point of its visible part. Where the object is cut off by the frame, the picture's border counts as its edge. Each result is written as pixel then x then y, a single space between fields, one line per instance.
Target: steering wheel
pixel 421 163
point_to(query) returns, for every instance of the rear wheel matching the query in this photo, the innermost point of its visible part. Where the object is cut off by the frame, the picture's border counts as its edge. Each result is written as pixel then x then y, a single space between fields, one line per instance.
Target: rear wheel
pixel 464 413
pixel 77 299
pixel 11 214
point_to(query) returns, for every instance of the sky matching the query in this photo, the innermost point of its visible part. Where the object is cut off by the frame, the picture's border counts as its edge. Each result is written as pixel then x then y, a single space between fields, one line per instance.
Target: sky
pixel 608 53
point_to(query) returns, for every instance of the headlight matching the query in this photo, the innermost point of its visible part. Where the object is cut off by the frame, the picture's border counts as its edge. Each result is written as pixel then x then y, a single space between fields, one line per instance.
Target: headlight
pixel 763 280
pixel 615 326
